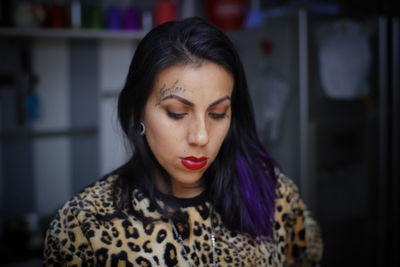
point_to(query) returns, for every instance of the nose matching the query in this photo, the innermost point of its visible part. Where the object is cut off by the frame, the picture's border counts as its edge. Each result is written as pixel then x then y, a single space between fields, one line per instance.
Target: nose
pixel 198 133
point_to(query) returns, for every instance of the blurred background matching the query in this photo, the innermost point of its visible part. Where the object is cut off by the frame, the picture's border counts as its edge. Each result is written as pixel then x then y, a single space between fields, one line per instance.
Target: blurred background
pixel 323 75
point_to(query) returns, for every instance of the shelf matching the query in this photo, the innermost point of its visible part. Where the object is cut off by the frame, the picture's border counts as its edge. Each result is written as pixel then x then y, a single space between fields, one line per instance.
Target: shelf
pixel 88 131
pixel 71 33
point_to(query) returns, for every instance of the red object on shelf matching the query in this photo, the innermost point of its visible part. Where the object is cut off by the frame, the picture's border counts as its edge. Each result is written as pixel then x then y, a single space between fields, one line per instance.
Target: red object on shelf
pixel 164 10
pixel 267 46
pixel 57 16
pixel 227 14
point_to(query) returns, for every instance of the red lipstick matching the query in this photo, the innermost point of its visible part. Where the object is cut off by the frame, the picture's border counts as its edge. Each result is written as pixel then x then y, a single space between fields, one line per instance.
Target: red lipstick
pixel 193 163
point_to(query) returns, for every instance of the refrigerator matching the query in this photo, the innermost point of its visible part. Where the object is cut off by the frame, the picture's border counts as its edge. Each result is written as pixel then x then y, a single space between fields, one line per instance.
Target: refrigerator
pixel 325 90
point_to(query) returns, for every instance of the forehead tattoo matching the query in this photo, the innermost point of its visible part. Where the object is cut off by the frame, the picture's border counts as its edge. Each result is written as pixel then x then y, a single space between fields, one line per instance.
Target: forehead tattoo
pixel 165 91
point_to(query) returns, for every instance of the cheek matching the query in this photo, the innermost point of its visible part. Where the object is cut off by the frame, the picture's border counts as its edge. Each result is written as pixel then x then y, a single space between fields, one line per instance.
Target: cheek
pixel 162 137
pixel 219 133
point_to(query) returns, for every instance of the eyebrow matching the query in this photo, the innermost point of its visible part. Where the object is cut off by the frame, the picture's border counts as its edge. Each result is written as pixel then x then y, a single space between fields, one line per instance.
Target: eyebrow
pixel 180 99
pixel 188 103
pixel 220 100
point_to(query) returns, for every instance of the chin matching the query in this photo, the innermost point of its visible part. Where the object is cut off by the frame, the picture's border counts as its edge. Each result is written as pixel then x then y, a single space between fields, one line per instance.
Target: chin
pixel 190 178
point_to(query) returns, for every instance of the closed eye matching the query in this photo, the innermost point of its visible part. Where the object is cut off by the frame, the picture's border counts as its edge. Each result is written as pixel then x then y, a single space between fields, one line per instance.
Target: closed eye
pixel 175 115
pixel 218 115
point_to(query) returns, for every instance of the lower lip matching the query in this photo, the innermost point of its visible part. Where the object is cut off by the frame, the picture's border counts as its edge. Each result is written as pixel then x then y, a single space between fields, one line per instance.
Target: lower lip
pixel 193 165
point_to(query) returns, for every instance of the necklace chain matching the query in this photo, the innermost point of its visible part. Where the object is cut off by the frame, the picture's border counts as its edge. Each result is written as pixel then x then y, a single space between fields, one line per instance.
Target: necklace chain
pixel 180 239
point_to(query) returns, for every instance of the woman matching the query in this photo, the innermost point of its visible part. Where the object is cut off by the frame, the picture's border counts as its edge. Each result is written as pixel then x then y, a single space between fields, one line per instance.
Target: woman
pixel 199 189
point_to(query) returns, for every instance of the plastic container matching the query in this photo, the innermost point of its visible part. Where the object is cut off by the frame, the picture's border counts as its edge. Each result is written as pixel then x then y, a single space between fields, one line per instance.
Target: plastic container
pixel 164 10
pixel 227 14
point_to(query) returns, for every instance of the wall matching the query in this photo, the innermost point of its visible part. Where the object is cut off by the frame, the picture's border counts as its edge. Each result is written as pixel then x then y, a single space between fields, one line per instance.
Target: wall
pixel 76 139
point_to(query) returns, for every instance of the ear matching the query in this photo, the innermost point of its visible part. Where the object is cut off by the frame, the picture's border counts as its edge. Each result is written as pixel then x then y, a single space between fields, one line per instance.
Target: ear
pixel 142 116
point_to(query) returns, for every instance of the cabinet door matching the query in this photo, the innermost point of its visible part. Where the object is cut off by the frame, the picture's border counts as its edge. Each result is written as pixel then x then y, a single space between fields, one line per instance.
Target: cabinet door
pixel 348 109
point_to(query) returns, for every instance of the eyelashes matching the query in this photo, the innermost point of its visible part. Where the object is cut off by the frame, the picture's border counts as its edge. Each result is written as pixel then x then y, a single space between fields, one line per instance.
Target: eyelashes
pixel 175 115
pixel 178 116
pixel 218 115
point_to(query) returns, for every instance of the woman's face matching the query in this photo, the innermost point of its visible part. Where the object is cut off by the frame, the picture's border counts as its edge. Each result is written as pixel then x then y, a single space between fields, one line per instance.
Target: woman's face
pixel 187 117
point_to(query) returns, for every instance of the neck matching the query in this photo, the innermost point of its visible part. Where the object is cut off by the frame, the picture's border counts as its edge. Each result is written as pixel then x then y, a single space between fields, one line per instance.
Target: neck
pixel 186 191
pixel 178 189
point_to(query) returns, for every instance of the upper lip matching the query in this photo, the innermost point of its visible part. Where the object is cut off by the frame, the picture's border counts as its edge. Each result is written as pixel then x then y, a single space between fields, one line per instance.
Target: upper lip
pixel 195 159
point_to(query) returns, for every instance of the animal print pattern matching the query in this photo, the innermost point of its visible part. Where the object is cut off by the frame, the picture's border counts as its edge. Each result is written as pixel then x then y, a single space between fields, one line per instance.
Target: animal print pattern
pixel 78 237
